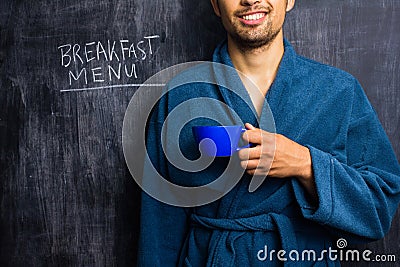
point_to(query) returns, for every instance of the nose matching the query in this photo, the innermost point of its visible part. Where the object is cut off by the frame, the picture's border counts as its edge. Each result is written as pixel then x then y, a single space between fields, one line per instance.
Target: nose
pixel 249 2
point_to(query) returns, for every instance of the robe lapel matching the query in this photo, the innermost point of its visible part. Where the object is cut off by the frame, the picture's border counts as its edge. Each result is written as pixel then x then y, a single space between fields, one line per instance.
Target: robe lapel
pixel 277 95
pixel 239 100
pixel 231 87
pixel 236 96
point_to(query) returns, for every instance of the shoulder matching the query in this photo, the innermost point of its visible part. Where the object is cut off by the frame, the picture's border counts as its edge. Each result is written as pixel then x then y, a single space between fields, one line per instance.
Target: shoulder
pixel 324 79
pixel 334 83
pixel 185 82
pixel 325 73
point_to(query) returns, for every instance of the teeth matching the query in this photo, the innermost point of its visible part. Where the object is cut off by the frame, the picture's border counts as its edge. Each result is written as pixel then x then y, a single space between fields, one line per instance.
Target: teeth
pixel 254 16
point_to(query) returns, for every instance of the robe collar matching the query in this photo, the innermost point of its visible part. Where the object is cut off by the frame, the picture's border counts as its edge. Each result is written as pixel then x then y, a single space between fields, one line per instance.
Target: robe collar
pixel 274 96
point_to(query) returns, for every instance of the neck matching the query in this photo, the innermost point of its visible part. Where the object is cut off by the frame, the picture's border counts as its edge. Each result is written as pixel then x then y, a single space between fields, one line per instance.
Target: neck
pixel 259 67
pixel 258 61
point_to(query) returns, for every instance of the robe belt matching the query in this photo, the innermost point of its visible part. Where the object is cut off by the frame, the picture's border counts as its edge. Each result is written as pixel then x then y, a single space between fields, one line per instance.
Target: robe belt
pixel 259 223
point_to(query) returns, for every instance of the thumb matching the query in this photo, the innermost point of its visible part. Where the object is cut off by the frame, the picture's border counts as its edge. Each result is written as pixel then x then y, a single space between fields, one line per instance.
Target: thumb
pixel 249 126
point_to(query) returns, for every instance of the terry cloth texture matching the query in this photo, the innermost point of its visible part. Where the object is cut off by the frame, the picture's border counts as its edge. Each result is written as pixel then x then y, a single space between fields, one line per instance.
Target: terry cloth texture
pixel 356 173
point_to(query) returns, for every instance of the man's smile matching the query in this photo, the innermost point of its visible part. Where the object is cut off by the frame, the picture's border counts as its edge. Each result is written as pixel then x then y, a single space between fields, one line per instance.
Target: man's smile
pixel 253 18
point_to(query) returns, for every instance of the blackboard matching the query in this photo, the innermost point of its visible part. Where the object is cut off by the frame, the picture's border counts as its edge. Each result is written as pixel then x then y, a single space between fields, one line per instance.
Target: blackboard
pixel 66 196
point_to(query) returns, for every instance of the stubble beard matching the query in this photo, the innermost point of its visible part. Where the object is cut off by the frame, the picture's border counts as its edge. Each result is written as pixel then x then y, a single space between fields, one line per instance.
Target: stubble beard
pixel 248 41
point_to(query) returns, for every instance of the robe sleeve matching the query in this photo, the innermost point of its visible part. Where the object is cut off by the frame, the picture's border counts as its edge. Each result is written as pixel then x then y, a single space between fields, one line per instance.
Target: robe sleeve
pixel 358 198
pixel 162 227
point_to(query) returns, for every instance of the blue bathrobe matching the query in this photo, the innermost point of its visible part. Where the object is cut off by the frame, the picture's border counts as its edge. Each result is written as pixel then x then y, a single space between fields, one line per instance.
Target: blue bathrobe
pixel 357 175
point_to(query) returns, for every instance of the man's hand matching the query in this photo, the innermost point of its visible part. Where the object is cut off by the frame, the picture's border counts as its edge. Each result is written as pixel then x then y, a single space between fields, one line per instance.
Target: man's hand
pixel 277 156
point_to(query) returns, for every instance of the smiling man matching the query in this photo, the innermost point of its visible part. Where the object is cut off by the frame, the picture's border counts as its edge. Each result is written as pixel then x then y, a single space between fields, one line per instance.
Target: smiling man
pixel 331 171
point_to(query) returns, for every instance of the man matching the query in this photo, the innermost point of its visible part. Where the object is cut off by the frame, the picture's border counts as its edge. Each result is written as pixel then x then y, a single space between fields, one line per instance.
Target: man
pixel 332 174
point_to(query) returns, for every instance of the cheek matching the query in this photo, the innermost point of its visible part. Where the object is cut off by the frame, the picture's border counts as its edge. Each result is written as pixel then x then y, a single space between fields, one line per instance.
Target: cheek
pixel 226 14
pixel 282 13
pixel 226 22
pixel 278 19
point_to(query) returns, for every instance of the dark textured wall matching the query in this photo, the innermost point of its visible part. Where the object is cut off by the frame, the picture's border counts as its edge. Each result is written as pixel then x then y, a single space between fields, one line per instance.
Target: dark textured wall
pixel 66 197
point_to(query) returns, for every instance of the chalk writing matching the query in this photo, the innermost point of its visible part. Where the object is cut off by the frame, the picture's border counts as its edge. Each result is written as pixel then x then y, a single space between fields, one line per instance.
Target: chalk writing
pixel 105 61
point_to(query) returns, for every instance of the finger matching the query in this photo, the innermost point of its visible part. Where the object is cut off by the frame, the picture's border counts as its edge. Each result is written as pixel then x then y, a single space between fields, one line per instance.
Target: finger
pixel 253 164
pixel 252 136
pixel 251 172
pixel 249 126
pixel 257 136
pixel 250 153
pixel 252 130
pixel 257 173
pixel 250 164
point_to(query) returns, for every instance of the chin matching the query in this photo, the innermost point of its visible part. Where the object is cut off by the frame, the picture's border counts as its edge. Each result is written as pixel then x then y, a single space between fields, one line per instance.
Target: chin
pixel 253 42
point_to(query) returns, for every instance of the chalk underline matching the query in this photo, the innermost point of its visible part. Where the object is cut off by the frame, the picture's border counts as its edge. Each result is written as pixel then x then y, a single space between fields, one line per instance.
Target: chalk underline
pixel 113 86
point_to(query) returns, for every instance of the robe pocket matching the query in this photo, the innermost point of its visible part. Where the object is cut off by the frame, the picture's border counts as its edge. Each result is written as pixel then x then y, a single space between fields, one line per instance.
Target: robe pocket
pixel 187 263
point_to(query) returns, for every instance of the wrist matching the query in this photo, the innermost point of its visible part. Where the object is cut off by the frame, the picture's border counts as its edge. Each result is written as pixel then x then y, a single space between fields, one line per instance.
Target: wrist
pixel 306 177
pixel 305 172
